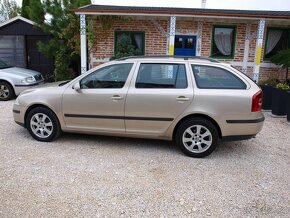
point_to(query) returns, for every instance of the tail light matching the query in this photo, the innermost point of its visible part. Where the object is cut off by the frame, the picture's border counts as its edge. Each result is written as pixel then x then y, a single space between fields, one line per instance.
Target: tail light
pixel 257 101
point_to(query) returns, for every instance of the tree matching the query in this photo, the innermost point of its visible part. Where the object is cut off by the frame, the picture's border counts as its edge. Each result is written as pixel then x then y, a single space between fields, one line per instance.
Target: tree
pixel 8 10
pixel 33 10
pixel 64 28
pixel 24 11
pixel 282 58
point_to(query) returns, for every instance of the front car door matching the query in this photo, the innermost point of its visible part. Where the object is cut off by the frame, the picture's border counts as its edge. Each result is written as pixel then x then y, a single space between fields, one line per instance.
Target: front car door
pixel 99 104
pixel 159 93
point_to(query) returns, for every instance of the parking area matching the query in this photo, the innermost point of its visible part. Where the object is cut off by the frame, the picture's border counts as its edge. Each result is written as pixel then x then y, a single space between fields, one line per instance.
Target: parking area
pixel 97 176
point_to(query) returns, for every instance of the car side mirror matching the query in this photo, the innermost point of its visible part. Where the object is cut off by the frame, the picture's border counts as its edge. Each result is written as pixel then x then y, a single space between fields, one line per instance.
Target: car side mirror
pixel 76 87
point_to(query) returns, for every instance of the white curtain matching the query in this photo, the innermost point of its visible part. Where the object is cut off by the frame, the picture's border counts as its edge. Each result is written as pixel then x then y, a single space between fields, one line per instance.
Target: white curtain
pixel 273 38
pixel 138 40
pixel 223 38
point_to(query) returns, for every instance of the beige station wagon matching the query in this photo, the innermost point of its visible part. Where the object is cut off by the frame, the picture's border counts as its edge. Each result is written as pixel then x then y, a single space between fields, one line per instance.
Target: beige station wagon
pixel 196 102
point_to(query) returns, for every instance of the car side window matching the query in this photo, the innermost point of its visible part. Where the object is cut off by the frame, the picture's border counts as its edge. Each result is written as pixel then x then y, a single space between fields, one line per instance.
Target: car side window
pixel 113 76
pixel 161 76
pixel 208 77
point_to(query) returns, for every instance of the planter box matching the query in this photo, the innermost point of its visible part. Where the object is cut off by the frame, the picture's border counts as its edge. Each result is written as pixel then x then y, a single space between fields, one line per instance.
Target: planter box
pixel 267 97
pixel 279 102
pixel 288 106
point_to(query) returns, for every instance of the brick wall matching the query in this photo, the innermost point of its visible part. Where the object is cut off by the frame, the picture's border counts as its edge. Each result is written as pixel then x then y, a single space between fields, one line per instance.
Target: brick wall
pixel 156 42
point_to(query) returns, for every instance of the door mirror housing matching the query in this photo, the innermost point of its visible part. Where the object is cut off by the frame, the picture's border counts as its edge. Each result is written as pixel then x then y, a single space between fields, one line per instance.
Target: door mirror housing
pixel 76 86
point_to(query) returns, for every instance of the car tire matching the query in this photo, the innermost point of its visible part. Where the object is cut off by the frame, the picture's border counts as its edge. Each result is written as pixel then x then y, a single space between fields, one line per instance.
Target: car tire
pixel 43 124
pixel 197 137
pixel 6 91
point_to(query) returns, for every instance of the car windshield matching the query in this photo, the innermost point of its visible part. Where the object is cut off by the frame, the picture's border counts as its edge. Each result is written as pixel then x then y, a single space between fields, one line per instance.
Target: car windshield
pixel 3 65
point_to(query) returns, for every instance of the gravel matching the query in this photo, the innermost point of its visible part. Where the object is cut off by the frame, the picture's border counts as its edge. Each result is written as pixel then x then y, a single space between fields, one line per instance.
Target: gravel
pixel 96 176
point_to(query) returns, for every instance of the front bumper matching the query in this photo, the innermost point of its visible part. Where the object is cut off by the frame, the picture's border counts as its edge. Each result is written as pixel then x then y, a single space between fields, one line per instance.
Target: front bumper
pixel 19 114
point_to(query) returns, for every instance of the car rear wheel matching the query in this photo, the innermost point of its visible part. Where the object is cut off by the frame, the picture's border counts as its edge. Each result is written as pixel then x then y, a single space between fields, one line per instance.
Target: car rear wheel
pixel 43 124
pixel 197 137
pixel 6 91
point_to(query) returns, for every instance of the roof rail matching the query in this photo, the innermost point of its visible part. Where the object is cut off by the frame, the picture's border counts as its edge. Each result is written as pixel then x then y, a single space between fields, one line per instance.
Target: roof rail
pixel 170 56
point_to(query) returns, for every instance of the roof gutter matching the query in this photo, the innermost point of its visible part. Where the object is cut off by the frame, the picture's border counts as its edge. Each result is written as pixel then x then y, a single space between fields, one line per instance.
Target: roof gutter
pixel 179 14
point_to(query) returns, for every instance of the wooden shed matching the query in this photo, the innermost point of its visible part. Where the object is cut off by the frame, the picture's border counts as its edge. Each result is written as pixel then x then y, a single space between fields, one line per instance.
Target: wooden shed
pixel 18 45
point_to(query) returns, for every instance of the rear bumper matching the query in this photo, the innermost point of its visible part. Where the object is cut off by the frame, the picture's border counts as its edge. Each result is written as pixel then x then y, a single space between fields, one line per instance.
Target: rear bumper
pixel 246 127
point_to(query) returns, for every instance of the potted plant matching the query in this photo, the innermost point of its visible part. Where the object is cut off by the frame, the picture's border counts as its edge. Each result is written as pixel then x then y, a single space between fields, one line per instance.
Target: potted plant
pixel 279 99
pixel 267 87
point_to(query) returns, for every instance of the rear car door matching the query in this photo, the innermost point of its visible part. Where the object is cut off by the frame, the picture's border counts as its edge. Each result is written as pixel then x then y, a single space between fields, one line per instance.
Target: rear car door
pixel 159 92
pixel 99 104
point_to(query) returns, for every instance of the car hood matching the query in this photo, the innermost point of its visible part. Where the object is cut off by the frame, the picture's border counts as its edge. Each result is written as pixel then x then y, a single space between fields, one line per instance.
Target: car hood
pixel 43 87
pixel 20 71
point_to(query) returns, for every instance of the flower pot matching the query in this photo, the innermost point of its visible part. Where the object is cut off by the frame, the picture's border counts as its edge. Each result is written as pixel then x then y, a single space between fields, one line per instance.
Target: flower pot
pixel 267 97
pixel 279 102
pixel 288 106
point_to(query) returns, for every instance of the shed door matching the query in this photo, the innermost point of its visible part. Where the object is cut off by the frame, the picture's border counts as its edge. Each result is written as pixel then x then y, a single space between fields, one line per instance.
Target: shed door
pixel 185 45
pixel 36 60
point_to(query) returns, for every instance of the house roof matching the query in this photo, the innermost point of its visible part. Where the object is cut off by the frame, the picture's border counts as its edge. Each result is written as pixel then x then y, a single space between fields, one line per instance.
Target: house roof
pixel 16 19
pixel 168 11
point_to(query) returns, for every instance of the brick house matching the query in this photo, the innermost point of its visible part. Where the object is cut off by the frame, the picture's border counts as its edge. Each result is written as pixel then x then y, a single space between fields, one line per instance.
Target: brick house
pixel 245 38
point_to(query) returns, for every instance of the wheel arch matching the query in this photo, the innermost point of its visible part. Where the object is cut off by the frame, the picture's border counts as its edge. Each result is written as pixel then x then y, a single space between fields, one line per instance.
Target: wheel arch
pixel 198 115
pixel 31 107
pixel 9 82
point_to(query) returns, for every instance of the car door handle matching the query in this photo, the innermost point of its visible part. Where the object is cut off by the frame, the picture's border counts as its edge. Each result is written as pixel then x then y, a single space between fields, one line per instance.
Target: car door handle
pixel 182 98
pixel 117 97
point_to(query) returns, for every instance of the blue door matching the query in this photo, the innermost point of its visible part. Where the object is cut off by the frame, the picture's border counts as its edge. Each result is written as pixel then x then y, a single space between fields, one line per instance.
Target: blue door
pixel 184 45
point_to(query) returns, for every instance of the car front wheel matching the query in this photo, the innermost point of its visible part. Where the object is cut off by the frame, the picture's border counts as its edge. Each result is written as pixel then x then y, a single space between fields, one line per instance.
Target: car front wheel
pixel 197 137
pixel 43 124
pixel 6 91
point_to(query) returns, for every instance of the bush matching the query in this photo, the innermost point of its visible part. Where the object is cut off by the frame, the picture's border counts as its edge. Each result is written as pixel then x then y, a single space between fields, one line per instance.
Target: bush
pixel 125 48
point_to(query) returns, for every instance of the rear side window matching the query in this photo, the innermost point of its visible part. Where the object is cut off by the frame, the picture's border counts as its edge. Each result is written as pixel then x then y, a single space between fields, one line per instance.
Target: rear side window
pixel 161 76
pixel 208 77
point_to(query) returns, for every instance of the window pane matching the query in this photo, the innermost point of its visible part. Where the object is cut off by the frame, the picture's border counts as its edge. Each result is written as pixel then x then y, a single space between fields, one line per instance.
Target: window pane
pixel 189 43
pixel 216 78
pixel 135 39
pixel 223 42
pixel 178 42
pixel 277 39
pixel 161 76
pixel 113 76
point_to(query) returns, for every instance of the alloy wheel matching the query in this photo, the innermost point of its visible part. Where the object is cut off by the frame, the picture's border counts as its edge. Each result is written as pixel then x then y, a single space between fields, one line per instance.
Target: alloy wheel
pixel 197 138
pixel 41 125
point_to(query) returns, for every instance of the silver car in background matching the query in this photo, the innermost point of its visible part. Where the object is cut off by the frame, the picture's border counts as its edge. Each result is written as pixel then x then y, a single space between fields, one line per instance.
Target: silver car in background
pixel 195 102
pixel 14 80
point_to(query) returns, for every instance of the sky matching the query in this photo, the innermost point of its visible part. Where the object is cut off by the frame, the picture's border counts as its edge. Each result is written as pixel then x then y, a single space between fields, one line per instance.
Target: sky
pixel 282 5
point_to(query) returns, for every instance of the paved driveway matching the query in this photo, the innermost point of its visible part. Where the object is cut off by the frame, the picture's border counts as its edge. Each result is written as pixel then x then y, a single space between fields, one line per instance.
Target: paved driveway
pixel 94 176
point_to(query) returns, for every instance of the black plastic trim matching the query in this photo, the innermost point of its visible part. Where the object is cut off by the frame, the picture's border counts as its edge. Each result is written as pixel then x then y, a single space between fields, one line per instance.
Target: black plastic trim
pixel 119 117
pixel 16 111
pixel 246 121
pixel 237 138
pixel 21 124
